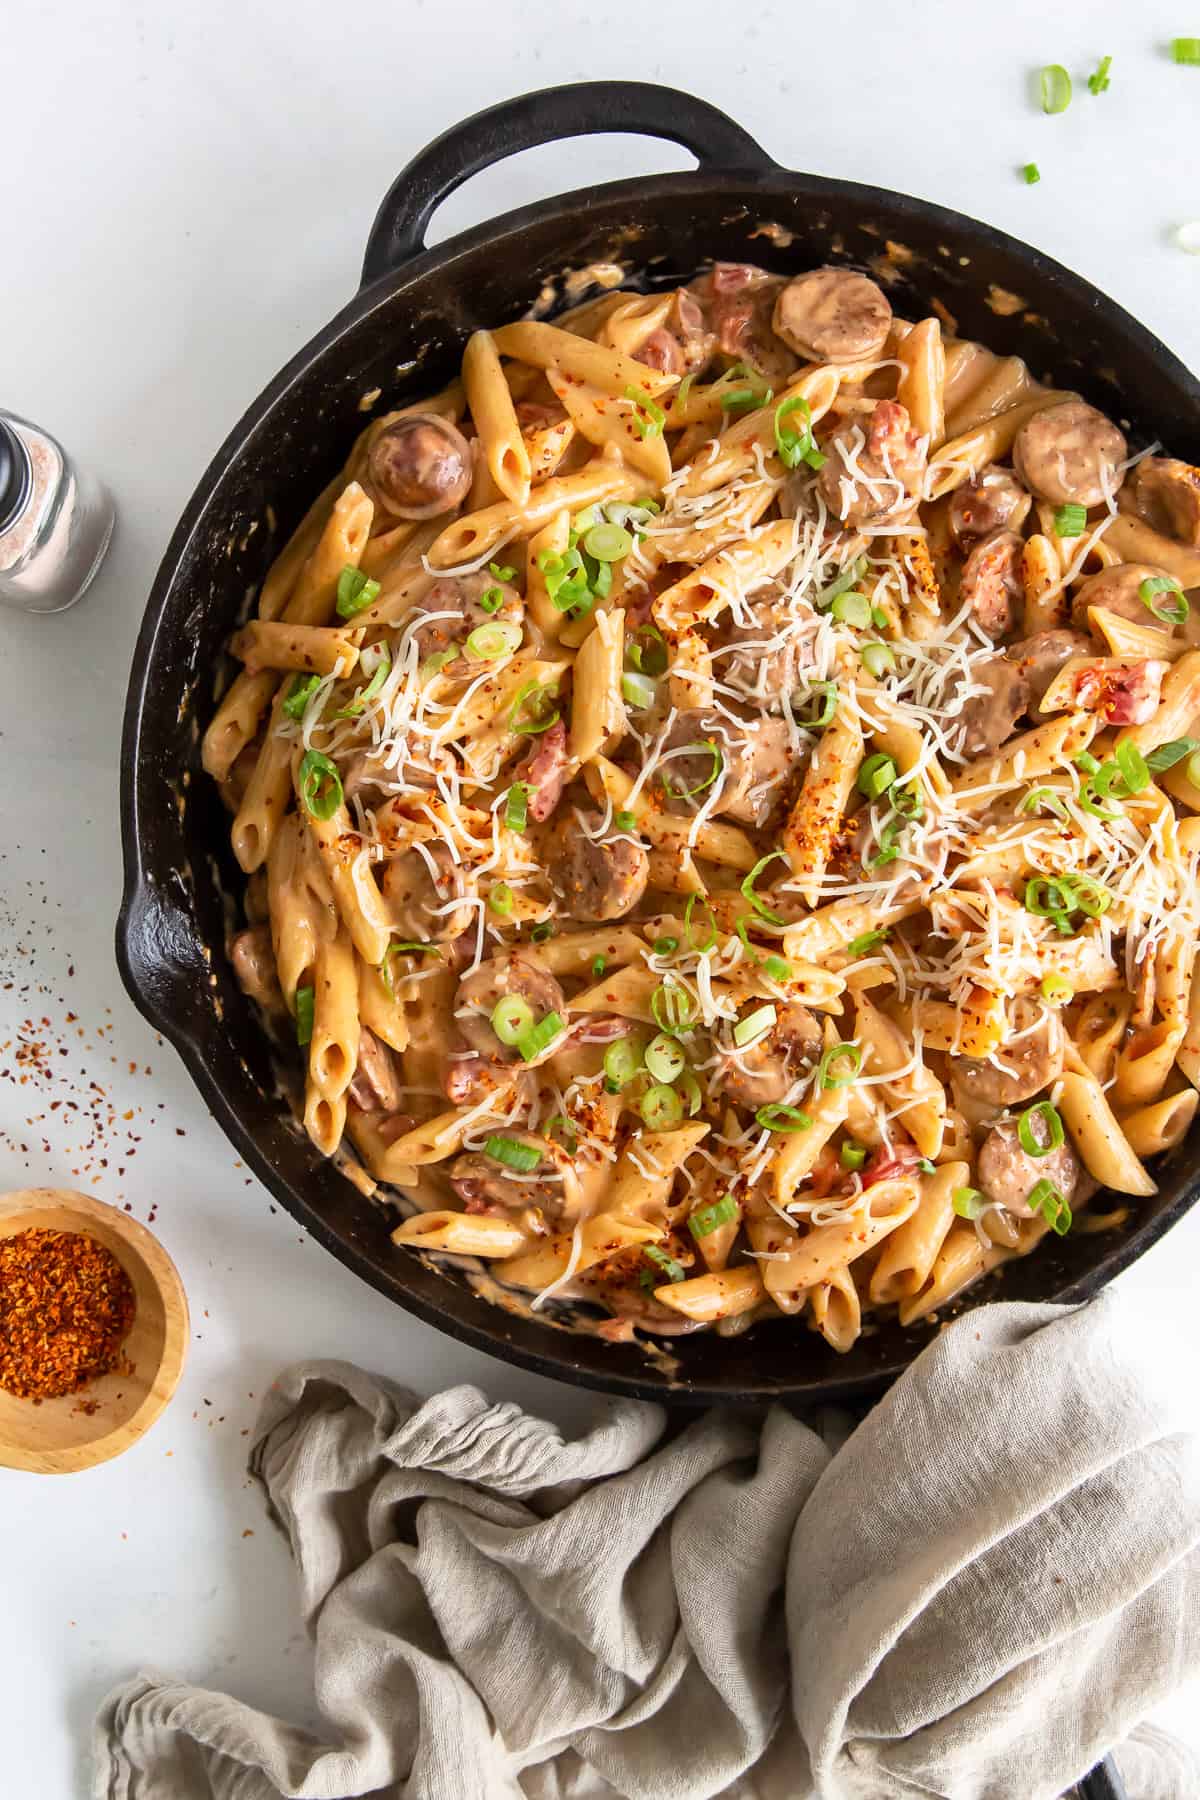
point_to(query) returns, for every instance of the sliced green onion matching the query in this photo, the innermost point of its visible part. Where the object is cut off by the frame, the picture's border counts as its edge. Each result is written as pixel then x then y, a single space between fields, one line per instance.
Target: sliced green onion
pixel 852 1156
pixel 1056 88
pixel 1171 612
pixel 513 1153
pixel 1193 769
pixel 707 1219
pixel 622 1061
pixel 502 573
pixel 661 1108
pixel 354 592
pixel 320 785
pixel 299 694
pixel 608 543
pixel 674 1271
pixel 1089 802
pixel 866 940
pixel 879 618
pixel 688 1088
pixel 968 1202
pixel 528 714
pixel 1069 521
pixel 1135 772
pixel 500 898
pixel 664 1058
pixel 1057 990
pixel 1186 50
pixel 560 1127
pixel 878 659
pixel 777 969
pixel 1167 755
pixel 908 799
pixel 511 1018
pixel 665 946
pixel 516 806
pixel 701 945
pixel 673 1008
pixel 754 1026
pixel 756 900
pixel 876 775
pixel 1045 797
pixel 1099 82
pixel 491 599
pixel 381 669
pixel 926 1167
pixel 647 652
pixel 1031 174
pixel 399 947
pixel 541 934
pixel 826 712
pixel 500 638
pixel 708 747
pixel 1087 762
pixel 305 1007
pixel 1051 1121
pixel 741 399
pixel 852 609
pixel 794 447
pixel 625 821
pixel 827 1076
pixel 888 845
pixel 1051 1202
pixel 840 584
pixel 599 964
pixel 638 690
pixel 1091 896
pixel 531 1043
pixel 648 418
pixel 778 1117
pixel 433 665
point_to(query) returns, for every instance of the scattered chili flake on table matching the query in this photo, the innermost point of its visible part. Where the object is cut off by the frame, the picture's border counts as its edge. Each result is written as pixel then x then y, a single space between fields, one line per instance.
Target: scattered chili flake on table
pixel 66 1307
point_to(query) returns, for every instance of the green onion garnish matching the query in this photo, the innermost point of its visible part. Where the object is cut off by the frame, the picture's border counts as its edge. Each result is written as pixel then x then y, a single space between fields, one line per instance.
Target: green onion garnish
pixel 516 807
pixel 625 821
pixel 607 543
pixel 778 1117
pixel 511 1018
pixel 320 785
pixel 664 1058
pixel 661 1108
pixel 876 775
pixel 354 592
pixel 648 418
pixel 381 669
pixel 707 1219
pixel 852 609
pixel 622 1061
pixel 709 748
pixel 673 1008
pixel 299 694
pixel 741 399
pixel 777 969
pixel 1193 769
pixel 399 947
pixel 1087 762
pixel 1186 50
pixel 502 573
pixel 1031 174
pixel 827 692
pixel 1099 82
pixel 1056 88
pixel 688 1088
pixel 926 1167
pixel 1057 990
pixel 1039 797
pixel 754 1026
pixel 1135 772
pixel 827 1076
pixel 489 642
pixel 878 659
pixel 1052 1203
pixel 491 599
pixel 638 690
pixel 756 900
pixel 599 964
pixel 541 934
pixel 531 1043
pixel 513 1153
pixel 665 946
pixel 1173 611
pixel 968 1202
pixel 852 1156
pixel 305 1007
pixel 866 940
pixel 529 713
pixel 647 651
pixel 500 898
pixel 794 447
pixel 674 1271
pixel 708 926
pixel 1069 521
pixel 1052 1123
pixel 560 1127
pixel 1167 755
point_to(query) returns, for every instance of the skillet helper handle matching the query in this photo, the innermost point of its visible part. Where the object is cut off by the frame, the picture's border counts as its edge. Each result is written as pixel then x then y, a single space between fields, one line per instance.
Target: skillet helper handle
pixel 578 110
pixel 1104 1783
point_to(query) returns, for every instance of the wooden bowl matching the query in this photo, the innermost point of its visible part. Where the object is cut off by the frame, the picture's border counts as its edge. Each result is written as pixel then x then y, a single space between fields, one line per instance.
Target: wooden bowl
pixel 60 1436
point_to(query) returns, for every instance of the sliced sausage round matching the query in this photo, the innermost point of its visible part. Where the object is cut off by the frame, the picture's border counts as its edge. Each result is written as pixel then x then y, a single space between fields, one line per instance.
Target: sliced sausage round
pixel 702 754
pixel 375 1085
pixel 551 1186
pixel 421 899
pixel 479 992
pixel 1040 657
pixel 1116 589
pixel 253 957
pixel 455 606
pixel 543 772
pixel 1008 1174
pixel 766 1070
pixel 421 466
pixel 990 718
pixel 598 880
pixel 738 299
pixel 991 583
pixel 1031 1058
pixel 872 476
pixel 994 501
pixel 1070 455
pixel 833 315
pixel 1166 493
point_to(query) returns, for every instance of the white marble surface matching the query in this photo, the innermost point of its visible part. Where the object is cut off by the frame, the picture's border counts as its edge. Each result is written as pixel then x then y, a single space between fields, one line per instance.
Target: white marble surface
pixel 193 204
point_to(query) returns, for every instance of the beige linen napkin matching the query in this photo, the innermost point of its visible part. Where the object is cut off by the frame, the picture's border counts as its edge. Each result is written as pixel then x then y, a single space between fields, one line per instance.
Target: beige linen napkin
pixel 972 1595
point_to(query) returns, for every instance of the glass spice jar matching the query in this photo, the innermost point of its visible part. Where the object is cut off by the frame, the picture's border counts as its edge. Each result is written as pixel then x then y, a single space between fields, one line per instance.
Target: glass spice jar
pixel 55 520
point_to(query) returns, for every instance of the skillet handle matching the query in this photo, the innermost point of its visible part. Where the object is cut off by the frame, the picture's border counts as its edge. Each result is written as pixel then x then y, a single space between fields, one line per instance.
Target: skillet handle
pixel 577 110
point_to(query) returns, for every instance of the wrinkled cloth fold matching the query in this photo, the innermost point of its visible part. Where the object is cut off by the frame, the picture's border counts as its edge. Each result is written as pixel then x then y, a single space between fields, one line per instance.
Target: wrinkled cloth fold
pixel 973 1594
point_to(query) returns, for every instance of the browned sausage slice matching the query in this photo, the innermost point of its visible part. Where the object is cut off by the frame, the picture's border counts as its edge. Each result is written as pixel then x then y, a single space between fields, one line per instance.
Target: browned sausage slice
pixel 994 501
pixel 479 991
pixel 253 957
pixel 1030 1060
pixel 1008 1175
pixel 1040 657
pixel 833 315
pixel 701 754
pixel 1070 454
pixel 991 583
pixel 598 881
pixel 1166 493
pixel 737 300
pixel 873 476
pixel 991 717
pixel 1117 590
pixel 420 903
pixel 551 1186
pixel 420 466
pixel 765 1071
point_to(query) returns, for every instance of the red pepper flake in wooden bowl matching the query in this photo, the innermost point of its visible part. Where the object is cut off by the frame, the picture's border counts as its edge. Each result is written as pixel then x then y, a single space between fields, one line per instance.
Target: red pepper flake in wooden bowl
pixel 66 1308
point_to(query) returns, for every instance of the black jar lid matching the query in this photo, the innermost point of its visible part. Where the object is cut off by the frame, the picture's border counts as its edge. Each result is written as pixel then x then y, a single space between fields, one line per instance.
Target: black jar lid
pixel 16 476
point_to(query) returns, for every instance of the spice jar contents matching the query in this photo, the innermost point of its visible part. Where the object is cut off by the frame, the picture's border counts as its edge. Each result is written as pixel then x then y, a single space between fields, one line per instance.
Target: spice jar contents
pixel 66 1307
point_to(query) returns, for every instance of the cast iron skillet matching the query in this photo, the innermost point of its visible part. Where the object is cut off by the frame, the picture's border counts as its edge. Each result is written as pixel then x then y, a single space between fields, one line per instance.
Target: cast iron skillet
pixel 414 309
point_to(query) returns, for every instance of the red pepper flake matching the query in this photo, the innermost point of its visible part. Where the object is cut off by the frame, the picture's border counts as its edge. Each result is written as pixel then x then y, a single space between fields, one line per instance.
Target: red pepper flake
pixel 66 1308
